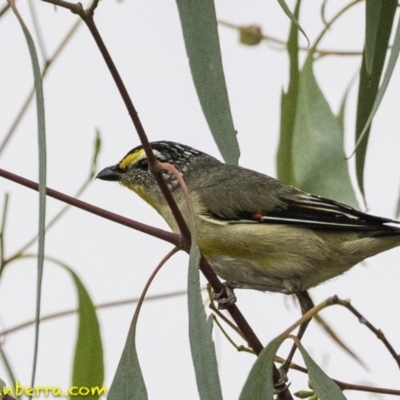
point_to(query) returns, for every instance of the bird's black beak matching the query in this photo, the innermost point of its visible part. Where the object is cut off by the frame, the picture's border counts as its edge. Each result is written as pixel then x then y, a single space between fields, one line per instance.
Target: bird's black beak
pixel 113 173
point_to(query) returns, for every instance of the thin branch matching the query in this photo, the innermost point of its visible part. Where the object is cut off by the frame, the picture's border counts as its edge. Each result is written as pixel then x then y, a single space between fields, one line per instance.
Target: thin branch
pixel 48 64
pixel 230 340
pixel 4 9
pixel 344 303
pixel 100 306
pixel 363 388
pixel 318 52
pixel 333 20
pixel 148 283
pixel 379 334
pixel 87 17
pixel 63 210
pixel 2 232
pixel 150 230
pixel 335 337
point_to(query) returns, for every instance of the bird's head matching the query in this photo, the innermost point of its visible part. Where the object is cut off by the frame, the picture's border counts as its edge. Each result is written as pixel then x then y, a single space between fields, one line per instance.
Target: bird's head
pixel 133 170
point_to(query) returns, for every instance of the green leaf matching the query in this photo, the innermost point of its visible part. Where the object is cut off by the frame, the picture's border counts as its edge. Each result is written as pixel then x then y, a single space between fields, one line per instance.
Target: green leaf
pixel 342 112
pixel 128 382
pixel 284 158
pixel 259 384
pixel 7 366
pixel 42 175
pixel 88 369
pixel 342 109
pixel 293 18
pixel 378 29
pixel 323 386
pixel 200 335
pixel 2 385
pixel 372 16
pixel 320 164
pixel 200 33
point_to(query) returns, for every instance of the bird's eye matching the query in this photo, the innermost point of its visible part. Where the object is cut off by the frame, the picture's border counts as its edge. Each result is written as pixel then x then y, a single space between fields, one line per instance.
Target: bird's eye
pixel 143 164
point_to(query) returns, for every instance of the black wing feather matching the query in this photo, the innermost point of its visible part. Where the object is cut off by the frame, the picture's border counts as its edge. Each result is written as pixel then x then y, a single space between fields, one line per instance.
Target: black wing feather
pixel 309 211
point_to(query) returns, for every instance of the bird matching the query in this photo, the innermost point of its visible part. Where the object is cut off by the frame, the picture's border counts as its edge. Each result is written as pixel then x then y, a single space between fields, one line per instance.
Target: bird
pixel 255 231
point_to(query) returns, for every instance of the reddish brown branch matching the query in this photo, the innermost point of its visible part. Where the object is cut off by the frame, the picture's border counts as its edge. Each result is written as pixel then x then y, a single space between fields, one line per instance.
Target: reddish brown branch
pixel 87 17
pixel 379 334
pixel 150 230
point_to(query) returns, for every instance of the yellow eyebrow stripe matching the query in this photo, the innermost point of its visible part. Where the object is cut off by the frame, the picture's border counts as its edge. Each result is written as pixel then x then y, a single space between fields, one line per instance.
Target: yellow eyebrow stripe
pixel 130 159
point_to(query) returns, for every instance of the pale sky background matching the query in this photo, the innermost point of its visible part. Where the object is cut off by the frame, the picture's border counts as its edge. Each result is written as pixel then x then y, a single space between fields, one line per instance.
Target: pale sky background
pixel 114 262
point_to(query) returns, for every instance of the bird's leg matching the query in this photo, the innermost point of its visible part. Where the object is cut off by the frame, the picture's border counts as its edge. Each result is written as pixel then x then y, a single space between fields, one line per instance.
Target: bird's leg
pixel 306 304
pixel 225 302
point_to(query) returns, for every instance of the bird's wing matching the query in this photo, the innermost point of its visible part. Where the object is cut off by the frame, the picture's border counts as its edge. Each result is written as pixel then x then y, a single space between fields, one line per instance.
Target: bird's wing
pixel 317 212
pixel 257 198
pixel 310 211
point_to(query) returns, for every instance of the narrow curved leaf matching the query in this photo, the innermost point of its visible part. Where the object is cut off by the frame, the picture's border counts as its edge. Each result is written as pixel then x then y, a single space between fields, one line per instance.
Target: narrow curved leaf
pixel 320 165
pixel 323 386
pixel 200 335
pixel 200 33
pixel 7 366
pixel 378 29
pixel 41 131
pixel 373 10
pixel 259 384
pixel 128 382
pixel 284 159
pixel 342 108
pixel 293 18
pixel 88 369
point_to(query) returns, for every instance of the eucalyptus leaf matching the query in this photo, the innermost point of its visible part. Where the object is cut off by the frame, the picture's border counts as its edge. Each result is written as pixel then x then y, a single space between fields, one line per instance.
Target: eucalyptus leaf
pixel 284 160
pixel 372 16
pixel 259 384
pixel 200 34
pixel 88 367
pixel 323 386
pixel 41 132
pixel 200 336
pixel 293 18
pixel 128 382
pixel 320 164
pixel 378 30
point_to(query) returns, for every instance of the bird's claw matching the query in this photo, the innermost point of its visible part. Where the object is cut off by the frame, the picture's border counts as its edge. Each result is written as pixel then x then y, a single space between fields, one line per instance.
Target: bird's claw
pixel 281 385
pixel 225 298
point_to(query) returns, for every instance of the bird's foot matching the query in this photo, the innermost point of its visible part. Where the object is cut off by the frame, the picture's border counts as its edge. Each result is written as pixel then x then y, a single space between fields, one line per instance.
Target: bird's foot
pixel 281 385
pixel 225 298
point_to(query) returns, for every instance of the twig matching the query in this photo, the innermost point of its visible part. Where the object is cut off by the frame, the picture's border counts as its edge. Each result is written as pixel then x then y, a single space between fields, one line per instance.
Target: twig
pixel 100 306
pixel 2 232
pixel 87 17
pixel 319 53
pixel 150 230
pixel 25 105
pixel 77 194
pixel 149 281
pixel 380 335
